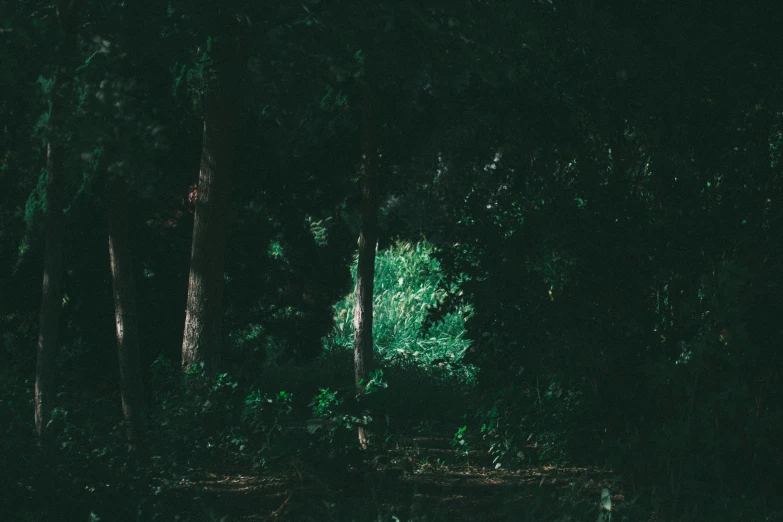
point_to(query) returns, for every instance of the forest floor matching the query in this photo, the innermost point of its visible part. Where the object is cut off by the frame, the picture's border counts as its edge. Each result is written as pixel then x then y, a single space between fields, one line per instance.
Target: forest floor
pixel 411 473
pixel 418 476
pixel 423 479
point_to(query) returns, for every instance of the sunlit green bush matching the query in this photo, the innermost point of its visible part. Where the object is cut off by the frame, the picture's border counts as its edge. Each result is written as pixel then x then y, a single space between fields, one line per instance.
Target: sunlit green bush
pixel 407 279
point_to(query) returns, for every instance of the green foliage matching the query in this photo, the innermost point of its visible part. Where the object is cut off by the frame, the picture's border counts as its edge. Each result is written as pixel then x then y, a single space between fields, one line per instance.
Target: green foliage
pixel 319 229
pixel 34 213
pixel 523 424
pixel 337 414
pixel 265 415
pixel 324 403
pixel 201 77
pixel 407 287
pixel 459 442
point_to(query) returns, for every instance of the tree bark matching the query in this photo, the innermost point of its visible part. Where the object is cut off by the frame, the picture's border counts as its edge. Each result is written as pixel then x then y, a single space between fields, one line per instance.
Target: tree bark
pixel 365 270
pixel 125 317
pixel 51 299
pixel 203 317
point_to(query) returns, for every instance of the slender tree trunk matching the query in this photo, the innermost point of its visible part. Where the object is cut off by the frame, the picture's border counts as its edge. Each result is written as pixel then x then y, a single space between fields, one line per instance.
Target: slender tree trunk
pixel 365 270
pixel 51 299
pixel 202 337
pixel 125 318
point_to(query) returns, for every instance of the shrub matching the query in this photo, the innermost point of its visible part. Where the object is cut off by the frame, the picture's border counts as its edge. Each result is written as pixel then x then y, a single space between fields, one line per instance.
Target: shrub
pixel 407 287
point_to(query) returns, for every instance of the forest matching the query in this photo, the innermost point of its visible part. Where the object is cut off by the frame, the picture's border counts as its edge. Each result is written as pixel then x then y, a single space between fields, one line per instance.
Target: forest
pixel 395 261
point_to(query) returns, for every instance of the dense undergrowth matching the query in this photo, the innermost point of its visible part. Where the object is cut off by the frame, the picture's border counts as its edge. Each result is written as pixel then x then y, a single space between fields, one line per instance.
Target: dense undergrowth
pixel 279 440
pixel 256 418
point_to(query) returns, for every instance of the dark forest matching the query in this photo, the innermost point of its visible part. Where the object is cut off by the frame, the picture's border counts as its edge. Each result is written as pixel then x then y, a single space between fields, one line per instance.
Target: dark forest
pixel 396 261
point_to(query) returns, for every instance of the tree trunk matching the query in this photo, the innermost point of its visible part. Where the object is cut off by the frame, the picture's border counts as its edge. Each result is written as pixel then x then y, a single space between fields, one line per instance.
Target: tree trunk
pixel 51 299
pixel 365 270
pixel 125 318
pixel 202 338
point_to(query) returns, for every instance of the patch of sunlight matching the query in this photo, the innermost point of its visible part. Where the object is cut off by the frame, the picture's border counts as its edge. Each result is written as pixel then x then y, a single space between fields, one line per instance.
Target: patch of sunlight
pixel 605 514
pixel 275 250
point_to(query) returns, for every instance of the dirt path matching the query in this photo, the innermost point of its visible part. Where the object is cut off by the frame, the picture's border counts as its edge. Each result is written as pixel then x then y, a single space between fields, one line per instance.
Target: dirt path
pixel 422 479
